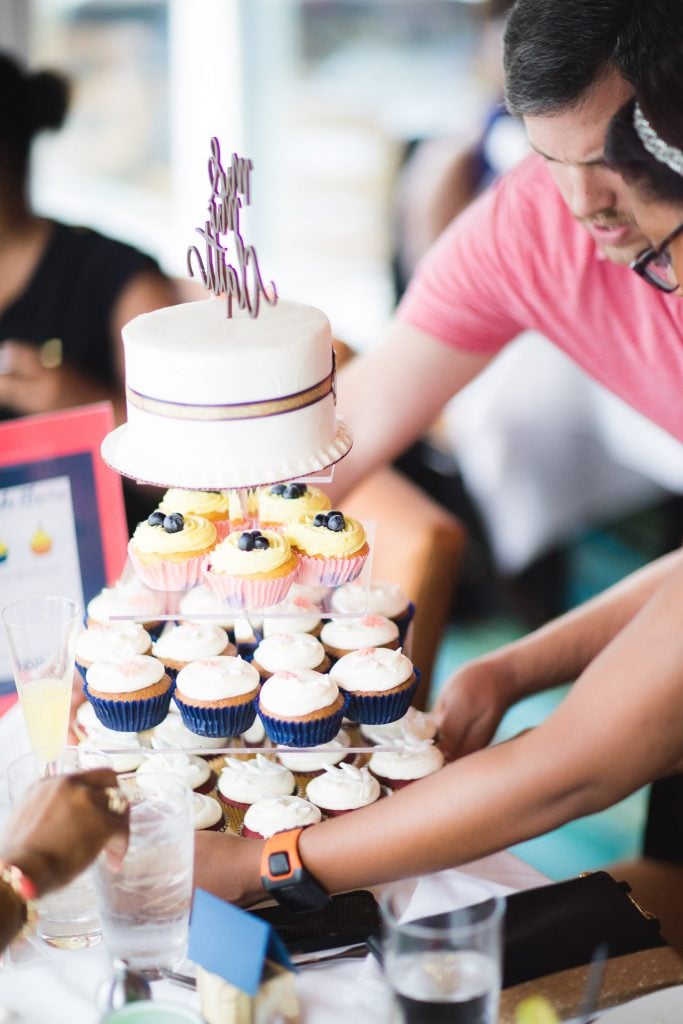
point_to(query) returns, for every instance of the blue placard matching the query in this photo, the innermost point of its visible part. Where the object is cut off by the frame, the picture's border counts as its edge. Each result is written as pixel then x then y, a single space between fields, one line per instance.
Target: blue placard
pixel 231 943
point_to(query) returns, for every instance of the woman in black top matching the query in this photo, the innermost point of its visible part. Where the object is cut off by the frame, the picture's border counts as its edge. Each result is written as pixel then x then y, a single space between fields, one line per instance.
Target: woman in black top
pixel 56 281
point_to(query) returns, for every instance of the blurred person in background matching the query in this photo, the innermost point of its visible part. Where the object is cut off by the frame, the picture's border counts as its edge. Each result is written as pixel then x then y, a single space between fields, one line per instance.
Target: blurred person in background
pixel 55 832
pixel 498 454
pixel 65 292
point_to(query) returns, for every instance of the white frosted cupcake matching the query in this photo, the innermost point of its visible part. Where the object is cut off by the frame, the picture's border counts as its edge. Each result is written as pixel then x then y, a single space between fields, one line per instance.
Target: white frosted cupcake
pixel 191 641
pixel 244 780
pixel 301 708
pixel 207 813
pixel 339 636
pixel 416 723
pixel 273 814
pixel 255 735
pixel 193 771
pixel 293 615
pixel 316 595
pixel 131 599
pixel 412 759
pixel 117 642
pixel 312 762
pixel 251 569
pixel 217 696
pixel 343 789
pixel 173 734
pixel 377 598
pixel 380 683
pixel 129 696
pixel 287 652
pixel 201 605
pixel 125 750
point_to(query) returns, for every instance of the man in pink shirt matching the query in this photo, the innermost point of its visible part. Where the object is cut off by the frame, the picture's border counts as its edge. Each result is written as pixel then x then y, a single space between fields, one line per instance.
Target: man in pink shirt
pixel 547 247
pixel 518 259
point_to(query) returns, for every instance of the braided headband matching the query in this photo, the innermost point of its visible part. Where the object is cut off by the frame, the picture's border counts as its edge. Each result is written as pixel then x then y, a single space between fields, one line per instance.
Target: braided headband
pixel 238 411
pixel 656 147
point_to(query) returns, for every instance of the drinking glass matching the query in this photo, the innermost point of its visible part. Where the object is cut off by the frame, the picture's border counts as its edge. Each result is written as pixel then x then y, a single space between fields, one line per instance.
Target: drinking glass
pixel 445 968
pixel 41 635
pixel 145 905
pixel 68 917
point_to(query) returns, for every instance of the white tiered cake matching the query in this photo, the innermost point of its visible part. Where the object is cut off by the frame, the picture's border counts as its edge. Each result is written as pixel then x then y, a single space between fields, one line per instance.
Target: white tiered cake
pixel 217 402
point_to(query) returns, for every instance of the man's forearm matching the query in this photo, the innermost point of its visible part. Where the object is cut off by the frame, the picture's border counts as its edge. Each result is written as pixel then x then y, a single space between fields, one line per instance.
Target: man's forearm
pixel 561 650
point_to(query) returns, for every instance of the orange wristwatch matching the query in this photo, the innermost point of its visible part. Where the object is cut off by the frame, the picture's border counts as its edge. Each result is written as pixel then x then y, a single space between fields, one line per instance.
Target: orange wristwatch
pixel 284 876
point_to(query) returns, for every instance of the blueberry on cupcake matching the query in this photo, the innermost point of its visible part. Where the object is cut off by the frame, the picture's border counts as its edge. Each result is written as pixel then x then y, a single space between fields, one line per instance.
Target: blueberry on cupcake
pixel 251 569
pixel 283 502
pixel 332 548
pixel 167 551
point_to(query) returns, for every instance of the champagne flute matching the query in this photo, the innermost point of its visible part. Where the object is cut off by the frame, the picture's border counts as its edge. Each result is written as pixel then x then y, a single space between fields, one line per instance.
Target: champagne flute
pixel 41 635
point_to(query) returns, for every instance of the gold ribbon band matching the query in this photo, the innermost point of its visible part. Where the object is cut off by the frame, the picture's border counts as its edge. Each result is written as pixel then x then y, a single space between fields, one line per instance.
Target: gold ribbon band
pixel 238 411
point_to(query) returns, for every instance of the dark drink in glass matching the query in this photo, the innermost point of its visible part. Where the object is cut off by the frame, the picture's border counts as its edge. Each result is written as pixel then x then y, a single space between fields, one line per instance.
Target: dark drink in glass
pixel 444 987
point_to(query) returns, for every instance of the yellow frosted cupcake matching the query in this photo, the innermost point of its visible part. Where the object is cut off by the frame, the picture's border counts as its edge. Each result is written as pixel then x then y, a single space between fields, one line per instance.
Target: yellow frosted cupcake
pixel 281 503
pixel 251 569
pixel 211 505
pixel 331 548
pixel 167 551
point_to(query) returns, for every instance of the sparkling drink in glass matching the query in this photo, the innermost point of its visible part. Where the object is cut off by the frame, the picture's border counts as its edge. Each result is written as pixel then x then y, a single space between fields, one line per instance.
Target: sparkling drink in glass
pixel 41 636
pixel 68 917
pixel 445 968
pixel 145 906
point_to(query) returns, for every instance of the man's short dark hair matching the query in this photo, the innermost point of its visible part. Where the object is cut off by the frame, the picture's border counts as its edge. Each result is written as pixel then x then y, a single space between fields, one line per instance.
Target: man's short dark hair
pixel 557 50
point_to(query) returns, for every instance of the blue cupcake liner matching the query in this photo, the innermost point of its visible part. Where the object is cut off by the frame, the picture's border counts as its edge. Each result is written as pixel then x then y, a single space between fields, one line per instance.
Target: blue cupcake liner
pixel 82 670
pixel 310 733
pixel 378 710
pixel 214 722
pixel 403 621
pixel 130 715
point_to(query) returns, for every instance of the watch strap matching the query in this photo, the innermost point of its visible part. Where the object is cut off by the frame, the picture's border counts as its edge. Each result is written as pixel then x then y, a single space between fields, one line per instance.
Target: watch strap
pixel 284 875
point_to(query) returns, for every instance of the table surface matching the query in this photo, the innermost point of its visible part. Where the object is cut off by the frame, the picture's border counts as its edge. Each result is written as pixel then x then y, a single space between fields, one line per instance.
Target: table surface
pixel 60 986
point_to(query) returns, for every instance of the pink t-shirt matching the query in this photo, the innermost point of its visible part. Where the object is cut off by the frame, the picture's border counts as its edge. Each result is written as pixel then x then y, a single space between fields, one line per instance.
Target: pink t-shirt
pixel 517 259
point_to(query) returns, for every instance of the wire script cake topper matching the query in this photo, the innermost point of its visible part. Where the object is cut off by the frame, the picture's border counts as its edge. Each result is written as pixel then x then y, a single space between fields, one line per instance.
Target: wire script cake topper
pixel 230 190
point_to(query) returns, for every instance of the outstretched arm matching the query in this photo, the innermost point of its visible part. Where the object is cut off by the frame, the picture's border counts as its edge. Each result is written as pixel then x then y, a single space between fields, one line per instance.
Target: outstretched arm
pixel 620 727
pixel 392 394
pixel 475 698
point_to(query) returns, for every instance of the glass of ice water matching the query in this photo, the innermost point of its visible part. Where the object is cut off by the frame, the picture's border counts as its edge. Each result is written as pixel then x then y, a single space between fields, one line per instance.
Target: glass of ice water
pixel 145 905
pixel 445 968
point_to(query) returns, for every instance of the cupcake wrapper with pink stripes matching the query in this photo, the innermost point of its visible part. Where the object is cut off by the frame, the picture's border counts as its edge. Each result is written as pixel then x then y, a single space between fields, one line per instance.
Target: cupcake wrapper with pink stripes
pixel 242 592
pixel 380 710
pixel 214 722
pixel 130 715
pixel 168 575
pixel 303 734
pixel 328 572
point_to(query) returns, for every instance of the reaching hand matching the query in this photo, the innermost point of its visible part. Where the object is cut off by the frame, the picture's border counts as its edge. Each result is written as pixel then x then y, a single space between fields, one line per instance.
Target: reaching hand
pixel 62 824
pixel 470 707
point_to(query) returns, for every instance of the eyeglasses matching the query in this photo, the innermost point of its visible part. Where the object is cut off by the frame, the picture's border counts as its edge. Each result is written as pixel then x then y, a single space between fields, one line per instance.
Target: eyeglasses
pixel 654 265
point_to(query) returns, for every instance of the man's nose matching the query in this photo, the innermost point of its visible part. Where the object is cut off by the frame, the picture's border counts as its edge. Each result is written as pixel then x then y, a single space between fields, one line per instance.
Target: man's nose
pixel 591 191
